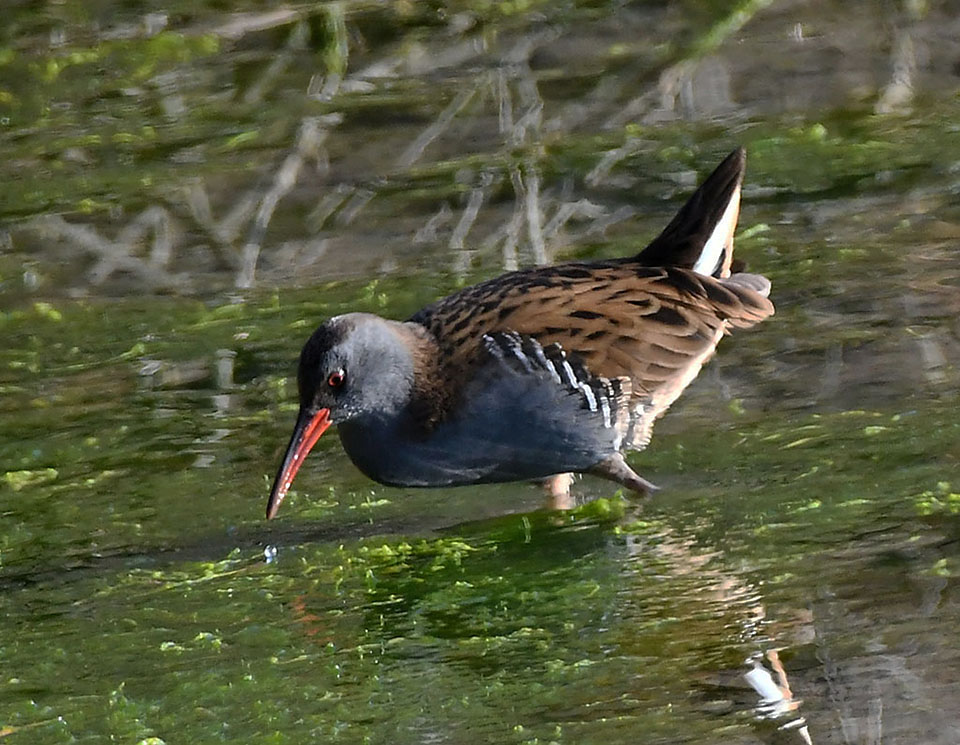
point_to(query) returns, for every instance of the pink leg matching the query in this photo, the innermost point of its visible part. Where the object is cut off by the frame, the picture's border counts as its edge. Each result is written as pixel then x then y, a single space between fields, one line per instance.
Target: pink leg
pixel 558 491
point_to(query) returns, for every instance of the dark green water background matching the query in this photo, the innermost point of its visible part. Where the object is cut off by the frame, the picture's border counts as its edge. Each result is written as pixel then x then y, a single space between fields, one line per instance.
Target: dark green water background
pixel 187 189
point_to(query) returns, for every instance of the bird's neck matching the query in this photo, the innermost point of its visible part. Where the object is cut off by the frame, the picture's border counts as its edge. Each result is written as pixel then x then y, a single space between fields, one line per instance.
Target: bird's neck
pixel 432 392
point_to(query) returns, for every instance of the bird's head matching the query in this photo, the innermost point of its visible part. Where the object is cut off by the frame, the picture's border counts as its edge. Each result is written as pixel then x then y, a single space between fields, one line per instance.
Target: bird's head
pixel 354 365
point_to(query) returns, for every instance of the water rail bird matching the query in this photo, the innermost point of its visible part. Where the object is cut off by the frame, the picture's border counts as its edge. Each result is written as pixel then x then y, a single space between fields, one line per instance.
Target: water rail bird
pixel 537 374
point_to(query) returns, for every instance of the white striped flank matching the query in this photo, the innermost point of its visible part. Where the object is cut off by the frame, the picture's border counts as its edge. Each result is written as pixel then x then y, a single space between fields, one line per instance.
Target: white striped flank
pixel 521 355
pixel 599 394
pixel 588 394
pixel 542 358
pixel 605 407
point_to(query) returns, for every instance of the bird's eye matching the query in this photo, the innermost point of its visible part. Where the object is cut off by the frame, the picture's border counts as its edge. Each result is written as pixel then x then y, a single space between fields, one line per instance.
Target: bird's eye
pixel 337 378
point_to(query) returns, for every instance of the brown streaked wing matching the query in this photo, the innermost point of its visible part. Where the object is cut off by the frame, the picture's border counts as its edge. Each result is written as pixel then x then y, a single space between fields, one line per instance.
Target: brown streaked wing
pixel 645 323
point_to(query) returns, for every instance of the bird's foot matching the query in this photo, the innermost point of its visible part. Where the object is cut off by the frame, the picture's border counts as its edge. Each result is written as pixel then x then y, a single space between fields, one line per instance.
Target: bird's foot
pixel 615 468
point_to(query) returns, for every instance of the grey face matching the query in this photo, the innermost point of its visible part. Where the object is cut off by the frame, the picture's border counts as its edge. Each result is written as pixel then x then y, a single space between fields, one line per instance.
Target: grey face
pixel 355 364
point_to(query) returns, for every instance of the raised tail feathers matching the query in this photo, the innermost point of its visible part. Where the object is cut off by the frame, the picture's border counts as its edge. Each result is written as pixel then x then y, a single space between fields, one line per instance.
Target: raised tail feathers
pixel 700 236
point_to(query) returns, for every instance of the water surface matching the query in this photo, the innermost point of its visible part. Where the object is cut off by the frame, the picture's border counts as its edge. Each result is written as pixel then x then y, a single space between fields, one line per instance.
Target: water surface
pixel 185 193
